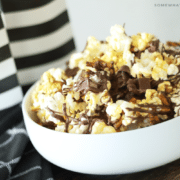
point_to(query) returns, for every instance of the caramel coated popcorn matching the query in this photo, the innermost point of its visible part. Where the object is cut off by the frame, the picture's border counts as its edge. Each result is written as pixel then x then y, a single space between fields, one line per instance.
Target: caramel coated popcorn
pixel 123 83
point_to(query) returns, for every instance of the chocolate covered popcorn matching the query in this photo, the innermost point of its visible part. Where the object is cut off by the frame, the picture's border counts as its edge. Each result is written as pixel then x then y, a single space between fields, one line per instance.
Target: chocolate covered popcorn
pixel 123 83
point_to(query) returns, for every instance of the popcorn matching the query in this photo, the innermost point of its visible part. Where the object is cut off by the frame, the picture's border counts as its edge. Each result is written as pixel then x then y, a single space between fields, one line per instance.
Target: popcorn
pixel 76 60
pixel 165 87
pixel 74 106
pixel 125 105
pixel 58 74
pixel 48 84
pixel 61 128
pixel 141 41
pixel 152 97
pixel 117 85
pixel 118 40
pixel 94 47
pixel 172 69
pixel 114 110
pixel 143 68
pixel 102 128
pixel 116 57
pixel 93 100
pixel 78 129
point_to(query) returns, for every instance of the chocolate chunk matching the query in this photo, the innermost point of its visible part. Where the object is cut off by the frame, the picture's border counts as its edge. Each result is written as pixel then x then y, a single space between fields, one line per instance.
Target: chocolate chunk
pixel 122 77
pixel 129 96
pixel 154 45
pixel 119 83
pixel 138 86
pixel 144 84
pixel 133 81
pixel 125 69
pixel 85 84
pixel 71 72
pixel 133 86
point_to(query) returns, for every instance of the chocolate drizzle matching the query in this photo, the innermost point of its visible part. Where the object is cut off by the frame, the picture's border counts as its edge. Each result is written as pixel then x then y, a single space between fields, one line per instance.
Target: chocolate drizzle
pixel 175 80
pixel 56 115
pixel 118 83
pixel 84 119
pixel 172 52
pixel 154 84
pixel 138 54
pixel 66 117
pixel 155 111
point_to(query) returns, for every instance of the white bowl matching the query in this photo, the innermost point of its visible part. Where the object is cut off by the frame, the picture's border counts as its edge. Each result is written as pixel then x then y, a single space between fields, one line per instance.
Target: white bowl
pixel 116 153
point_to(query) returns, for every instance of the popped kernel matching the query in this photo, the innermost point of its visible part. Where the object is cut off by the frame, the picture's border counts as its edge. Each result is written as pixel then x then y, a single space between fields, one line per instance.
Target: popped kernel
pixel 172 69
pixel 78 129
pixel 152 97
pixel 114 110
pixel 94 100
pixel 102 128
pixel 165 87
pixel 118 40
pixel 141 40
pixel 58 74
pixel 72 105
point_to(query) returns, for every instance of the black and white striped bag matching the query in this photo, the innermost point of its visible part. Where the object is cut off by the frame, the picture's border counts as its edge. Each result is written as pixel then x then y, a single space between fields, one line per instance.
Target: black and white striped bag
pixel 35 35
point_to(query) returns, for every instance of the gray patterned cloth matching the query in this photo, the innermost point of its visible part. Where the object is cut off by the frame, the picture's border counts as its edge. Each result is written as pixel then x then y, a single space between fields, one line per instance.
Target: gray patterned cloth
pixel 19 160
pixel 35 35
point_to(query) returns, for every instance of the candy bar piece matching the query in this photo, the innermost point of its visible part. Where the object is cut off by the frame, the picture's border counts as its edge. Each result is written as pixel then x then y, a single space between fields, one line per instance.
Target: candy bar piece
pixel 132 86
pixel 125 69
pixel 86 83
pixel 154 45
pixel 71 72
pixel 144 84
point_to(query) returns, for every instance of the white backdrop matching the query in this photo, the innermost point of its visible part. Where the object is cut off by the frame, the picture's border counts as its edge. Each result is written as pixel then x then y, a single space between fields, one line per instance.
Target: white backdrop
pixel 95 17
